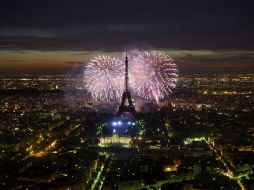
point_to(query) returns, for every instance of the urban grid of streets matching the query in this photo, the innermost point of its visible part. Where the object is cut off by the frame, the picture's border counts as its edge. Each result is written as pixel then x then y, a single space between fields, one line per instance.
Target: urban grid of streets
pixel 50 135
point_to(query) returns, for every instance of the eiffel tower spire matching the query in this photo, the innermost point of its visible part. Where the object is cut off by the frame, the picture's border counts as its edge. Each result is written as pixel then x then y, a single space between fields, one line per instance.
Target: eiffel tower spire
pixel 126 74
pixel 126 94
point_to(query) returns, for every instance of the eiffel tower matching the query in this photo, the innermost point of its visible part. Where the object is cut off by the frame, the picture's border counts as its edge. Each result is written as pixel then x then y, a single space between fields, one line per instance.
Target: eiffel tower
pixel 126 95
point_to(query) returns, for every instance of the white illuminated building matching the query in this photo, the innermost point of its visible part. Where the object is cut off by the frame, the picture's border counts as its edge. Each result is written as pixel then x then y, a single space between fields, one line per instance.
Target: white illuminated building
pixel 124 141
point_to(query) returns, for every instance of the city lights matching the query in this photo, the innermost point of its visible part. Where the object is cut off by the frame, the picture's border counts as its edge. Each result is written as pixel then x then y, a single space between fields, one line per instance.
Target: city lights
pixel 202 130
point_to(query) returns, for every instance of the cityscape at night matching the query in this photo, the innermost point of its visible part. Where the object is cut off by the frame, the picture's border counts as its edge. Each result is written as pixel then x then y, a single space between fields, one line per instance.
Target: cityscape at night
pixel 201 136
pixel 126 96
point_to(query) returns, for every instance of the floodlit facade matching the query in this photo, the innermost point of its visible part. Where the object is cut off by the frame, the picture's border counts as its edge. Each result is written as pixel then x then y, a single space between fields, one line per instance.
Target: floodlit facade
pixel 124 141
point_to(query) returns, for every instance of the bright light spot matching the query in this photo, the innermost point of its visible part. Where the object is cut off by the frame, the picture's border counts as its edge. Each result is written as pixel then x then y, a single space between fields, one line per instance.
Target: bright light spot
pixel 191 140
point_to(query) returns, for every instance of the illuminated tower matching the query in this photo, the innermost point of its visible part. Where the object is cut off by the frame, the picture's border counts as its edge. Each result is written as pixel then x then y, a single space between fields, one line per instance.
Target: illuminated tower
pixel 126 95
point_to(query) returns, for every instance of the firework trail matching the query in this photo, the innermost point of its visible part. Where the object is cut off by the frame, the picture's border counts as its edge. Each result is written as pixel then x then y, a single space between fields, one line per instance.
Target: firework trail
pixel 153 74
pixel 104 76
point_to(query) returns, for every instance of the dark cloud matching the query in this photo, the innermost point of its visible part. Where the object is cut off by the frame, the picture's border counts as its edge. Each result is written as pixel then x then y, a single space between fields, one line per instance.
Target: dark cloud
pixel 12 60
pixel 83 28
pixel 26 32
pixel 111 25
pixel 214 61
pixel 76 62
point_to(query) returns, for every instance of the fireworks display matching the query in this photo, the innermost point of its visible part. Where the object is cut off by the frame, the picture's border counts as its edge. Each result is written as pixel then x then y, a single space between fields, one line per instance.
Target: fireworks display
pixel 104 76
pixel 153 74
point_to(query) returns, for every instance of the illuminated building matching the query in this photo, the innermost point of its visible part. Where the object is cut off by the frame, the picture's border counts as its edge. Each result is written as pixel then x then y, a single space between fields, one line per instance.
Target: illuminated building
pixel 124 141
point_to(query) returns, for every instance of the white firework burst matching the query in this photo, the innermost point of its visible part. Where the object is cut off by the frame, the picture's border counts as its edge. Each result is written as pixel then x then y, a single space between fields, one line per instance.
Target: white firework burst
pixel 153 74
pixel 104 76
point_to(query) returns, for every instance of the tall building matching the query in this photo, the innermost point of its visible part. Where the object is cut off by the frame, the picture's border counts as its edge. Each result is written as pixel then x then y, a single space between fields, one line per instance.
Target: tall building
pixel 126 95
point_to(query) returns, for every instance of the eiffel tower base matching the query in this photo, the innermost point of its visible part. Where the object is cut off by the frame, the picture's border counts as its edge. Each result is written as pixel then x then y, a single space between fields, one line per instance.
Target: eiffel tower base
pixel 126 108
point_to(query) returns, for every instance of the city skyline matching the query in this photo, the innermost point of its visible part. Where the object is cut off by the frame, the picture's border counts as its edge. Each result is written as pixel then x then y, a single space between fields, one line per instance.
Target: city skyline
pixel 55 137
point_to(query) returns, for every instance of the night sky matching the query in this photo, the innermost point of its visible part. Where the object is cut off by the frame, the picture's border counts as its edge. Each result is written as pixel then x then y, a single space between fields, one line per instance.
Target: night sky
pixel 55 36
